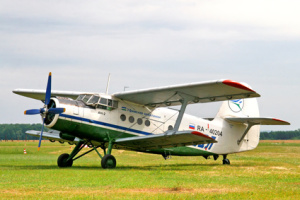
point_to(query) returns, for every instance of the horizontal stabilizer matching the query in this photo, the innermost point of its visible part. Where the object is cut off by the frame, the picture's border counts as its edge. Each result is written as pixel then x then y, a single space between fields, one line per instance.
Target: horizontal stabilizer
pixel 258 121
pixel 165 140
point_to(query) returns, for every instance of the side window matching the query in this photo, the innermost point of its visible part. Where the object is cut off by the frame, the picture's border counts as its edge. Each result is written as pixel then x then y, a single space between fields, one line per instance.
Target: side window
pixel 103 101
pixel 139 121
pixel 147 122
pixel 109 102
pixel 131 119
pixel 123 117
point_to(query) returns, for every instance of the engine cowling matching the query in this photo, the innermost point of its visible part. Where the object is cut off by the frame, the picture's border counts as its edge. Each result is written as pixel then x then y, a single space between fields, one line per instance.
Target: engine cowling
pixel 51 118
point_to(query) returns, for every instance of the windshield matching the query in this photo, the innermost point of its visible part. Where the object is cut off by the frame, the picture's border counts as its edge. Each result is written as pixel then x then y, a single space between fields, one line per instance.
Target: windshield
pixel 86 98
pixel 93 100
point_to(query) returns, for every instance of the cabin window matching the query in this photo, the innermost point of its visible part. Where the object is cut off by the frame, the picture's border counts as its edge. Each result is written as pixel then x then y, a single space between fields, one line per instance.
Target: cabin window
pixel 139 121
pixel 131 119
pixel 170 128
pixel 147 122
pixel 123 117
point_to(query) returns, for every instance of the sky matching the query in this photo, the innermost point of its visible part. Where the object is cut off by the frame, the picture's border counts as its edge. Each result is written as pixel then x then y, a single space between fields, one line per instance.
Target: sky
pixel 145 44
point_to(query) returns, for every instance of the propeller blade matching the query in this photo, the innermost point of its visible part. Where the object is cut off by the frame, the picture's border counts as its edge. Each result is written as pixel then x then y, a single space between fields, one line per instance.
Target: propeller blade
pixel 32 112
pixel 40 140
pixel 56 110
pixel 48 90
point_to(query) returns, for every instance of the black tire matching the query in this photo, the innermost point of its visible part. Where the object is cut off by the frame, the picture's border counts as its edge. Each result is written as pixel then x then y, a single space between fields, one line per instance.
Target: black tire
pixel 108 162
pixel 62 161
pixel 52 140
pixel 226 162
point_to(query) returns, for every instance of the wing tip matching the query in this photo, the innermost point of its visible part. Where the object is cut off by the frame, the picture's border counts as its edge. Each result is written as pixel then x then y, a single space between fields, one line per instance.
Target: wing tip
pixel 237 85
pixel 200 134
pixel 282 121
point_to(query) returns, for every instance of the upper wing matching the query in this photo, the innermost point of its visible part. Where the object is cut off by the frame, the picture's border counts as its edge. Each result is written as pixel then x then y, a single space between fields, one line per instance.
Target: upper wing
pixel 40 94
pixel 165 140
pixel 258 120
pixel 201 92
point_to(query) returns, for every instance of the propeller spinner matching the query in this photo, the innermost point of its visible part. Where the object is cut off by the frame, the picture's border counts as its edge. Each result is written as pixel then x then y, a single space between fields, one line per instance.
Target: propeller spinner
pixel 44 111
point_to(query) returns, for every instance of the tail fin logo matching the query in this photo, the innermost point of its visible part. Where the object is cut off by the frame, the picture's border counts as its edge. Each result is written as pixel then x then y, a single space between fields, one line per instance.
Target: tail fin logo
pixel 236 105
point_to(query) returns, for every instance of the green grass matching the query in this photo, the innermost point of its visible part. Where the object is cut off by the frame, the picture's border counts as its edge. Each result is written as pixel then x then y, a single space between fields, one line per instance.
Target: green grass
pixel 272 171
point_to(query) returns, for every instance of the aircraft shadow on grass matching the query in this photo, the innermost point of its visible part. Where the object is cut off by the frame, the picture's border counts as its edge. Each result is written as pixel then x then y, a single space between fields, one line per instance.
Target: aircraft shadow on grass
pixel 169 167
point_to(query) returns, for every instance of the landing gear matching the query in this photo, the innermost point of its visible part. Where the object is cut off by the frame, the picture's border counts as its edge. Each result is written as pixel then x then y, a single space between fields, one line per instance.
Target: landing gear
pixel 225 160
pixel 166 155
pixel 108 161
pixel 63 161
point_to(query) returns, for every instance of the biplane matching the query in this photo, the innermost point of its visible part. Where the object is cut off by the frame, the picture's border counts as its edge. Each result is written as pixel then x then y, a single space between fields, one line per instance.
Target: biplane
pixel 144 121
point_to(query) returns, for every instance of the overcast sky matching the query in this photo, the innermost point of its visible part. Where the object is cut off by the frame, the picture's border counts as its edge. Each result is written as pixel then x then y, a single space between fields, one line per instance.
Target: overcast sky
pixel 151 43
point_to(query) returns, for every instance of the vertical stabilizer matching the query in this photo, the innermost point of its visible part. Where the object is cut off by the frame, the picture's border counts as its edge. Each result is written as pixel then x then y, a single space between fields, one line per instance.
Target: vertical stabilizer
pixel 240 108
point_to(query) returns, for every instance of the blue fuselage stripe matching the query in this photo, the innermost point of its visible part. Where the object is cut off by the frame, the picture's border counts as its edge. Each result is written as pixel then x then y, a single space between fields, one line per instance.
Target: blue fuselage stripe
pixel 105 124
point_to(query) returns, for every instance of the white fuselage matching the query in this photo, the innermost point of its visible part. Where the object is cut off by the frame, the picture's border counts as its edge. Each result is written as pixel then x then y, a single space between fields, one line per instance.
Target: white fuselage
pixel 136 120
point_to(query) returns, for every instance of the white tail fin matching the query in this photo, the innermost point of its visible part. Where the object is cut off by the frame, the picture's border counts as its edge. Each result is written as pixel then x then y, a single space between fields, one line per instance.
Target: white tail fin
pixel 241 108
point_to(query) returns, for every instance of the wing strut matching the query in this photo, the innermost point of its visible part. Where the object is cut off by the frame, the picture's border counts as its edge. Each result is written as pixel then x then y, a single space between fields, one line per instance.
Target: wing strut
pixel 184 102
pixel 250 124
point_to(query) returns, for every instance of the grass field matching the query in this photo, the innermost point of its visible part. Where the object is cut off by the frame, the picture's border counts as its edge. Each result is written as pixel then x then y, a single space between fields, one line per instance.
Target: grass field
pixel 272 171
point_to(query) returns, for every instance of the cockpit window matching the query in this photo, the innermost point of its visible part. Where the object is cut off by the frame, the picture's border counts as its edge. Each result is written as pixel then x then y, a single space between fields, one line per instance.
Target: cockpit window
pixel 86 98
pixel 97 101
pixel 80 97
pixel 103 101
pixel 93 100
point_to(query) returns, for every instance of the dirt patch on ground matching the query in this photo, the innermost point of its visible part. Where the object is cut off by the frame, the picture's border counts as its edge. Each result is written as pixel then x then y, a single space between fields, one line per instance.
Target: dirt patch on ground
pixel 281 168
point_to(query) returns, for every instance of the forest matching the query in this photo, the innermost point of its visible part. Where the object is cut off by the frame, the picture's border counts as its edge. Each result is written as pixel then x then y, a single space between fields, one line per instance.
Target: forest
pixel 17 132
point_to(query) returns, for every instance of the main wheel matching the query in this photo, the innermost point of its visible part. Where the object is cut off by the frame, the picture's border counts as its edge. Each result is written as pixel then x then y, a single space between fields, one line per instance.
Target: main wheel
pixel 226 162
pixel 108 162
pixel 62 161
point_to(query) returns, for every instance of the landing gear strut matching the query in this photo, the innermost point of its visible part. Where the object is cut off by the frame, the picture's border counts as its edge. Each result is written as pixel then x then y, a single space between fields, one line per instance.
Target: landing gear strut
pixel 108 161
pixel 225 160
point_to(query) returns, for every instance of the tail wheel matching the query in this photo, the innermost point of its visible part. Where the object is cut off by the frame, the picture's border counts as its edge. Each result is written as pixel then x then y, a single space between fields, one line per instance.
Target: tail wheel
pixel 62 161
pixel 108 162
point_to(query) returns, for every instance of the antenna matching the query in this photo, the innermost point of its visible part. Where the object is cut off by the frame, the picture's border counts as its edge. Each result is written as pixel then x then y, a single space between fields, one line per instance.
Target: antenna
pixel 107 86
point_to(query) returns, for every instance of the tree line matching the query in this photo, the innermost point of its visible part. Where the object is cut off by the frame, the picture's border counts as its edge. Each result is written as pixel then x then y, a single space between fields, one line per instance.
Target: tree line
pixel 17 132
pixel 280 135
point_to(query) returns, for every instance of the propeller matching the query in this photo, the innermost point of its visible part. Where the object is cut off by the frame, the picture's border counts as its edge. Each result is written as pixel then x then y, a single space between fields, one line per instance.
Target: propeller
pixel 44 111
